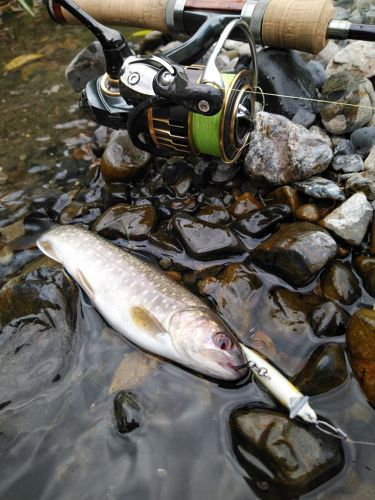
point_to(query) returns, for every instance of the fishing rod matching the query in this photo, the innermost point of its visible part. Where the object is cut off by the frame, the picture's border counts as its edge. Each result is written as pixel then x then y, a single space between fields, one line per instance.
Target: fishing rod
pixel 168 103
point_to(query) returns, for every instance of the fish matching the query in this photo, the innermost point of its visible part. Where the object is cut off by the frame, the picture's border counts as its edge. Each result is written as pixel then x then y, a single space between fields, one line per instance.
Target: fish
pixel 144 305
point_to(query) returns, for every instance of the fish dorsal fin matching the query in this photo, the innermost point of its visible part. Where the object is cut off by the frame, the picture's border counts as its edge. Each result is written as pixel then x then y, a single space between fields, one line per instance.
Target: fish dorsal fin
pixel 144 320
pixel 83 281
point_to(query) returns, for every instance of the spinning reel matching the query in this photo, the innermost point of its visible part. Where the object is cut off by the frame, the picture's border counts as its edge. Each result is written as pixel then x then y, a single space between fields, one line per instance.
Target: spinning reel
pixel 167 105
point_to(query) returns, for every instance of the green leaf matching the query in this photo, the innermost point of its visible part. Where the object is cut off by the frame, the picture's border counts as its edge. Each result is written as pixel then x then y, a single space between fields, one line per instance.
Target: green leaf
pixel 27 7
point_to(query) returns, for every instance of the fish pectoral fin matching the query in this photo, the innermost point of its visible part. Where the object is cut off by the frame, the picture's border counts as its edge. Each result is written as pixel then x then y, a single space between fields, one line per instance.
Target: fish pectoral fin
pixel 83 281
pixel 146 321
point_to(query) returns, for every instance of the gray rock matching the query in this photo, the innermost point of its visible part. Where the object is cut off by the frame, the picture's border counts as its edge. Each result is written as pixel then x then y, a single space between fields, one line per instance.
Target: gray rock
pixel 370 16
pixel 363 140
pixel 362 182
pixel 121 159
pixel 343 87
pixel 317 72
pixel 322 134
pixel 356 17
pixel 283 458
pixel 319 187
pixel 281 152
pixel 356 58
pixel 296 252
pixel 328 53
pixel 350 220
pixel 370 161
pixel 347 163
pixel 343 147
pixel 304 117
pixel 87 65
pixel 341 13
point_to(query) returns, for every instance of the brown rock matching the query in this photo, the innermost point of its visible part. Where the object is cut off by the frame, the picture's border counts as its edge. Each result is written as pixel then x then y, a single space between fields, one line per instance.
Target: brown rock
pixel 308 212
pixel 284 195
pixel 339 283
pixel 360 335
pixel 244 204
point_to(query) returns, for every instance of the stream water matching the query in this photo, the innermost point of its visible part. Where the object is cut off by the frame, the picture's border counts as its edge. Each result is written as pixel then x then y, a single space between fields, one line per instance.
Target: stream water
pixel 60 441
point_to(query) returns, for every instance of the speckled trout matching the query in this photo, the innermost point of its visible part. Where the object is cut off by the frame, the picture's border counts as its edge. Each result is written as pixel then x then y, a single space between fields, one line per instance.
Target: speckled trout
pixel 146 306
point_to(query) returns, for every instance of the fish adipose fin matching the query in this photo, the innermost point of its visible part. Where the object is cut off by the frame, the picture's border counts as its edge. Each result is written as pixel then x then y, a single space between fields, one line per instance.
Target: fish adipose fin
pixel 82 280
pixel 144 320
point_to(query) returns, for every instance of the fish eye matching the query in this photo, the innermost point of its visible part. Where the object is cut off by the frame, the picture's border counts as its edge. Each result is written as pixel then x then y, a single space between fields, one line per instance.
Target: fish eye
pixel 223 341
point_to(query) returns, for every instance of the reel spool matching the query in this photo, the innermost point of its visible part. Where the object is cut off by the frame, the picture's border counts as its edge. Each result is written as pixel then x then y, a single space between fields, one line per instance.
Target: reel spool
pixel 167 127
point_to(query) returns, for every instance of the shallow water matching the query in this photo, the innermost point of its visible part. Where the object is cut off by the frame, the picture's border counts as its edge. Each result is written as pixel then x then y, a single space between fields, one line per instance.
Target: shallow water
pixel 62 443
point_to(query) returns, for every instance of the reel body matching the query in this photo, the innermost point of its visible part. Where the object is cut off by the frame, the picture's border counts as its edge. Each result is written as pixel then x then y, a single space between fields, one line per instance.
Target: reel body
pixel 168 105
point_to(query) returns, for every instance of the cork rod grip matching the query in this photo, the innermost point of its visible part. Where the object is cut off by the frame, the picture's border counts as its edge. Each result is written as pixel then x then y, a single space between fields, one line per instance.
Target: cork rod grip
pixel 141 13
pixel 297 24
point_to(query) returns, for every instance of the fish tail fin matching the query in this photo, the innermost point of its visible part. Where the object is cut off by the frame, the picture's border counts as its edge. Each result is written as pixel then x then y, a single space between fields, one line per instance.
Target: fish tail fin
pixel 34 225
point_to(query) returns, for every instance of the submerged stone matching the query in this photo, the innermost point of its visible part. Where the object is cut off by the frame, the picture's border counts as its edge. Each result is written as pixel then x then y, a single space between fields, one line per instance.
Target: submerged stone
pixel 132 222
pixel 233 293
pixel 37 324
pixel 366 269
pixel 121 159
pixel 350 220
pixel 88 64
pixel 127 412
pixel 328 320
pixel 263 221
pixel 213 214
pixel 80 213
pixel 283 458
pixel 325 370
pixel 338 282
pixel 281 152
pixel 244 204
pixel 296 252
pixel 202 240
pixel 360 336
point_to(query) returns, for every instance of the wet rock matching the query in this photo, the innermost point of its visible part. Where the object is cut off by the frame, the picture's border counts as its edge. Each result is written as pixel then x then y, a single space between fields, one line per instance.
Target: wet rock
pixel 308 212
pixel 360 336
pixel 366 269
pixel 304 117
pixel 126 221
pixel 127 412
pixel 350 220
pixel 284 458
pixel 347 163
pixel 343 147
pixel 328 320
pixel 346 89
pixel 363 140
pixel 356 59
pixel 317 72
pixel 319 187
pixel 121 159
pixel 182 186
pixel 80 213
pixel 284 195
pixel 244 204
pixel 369 164
pixel 37 324
pixel 339 283
pixel 284 72
pixel 325 370
pixel 201 240
pixel 281 152
pixel 296 252
pixel 221 172
pixel 87 65
pixel 263 221
pixel 233 293
pixel 213 214
pixel 362 182
pixel 201 174
pixel 173 169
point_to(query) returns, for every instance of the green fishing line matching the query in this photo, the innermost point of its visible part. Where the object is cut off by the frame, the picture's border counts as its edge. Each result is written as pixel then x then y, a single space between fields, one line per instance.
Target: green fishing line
pixel 206 129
